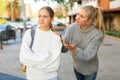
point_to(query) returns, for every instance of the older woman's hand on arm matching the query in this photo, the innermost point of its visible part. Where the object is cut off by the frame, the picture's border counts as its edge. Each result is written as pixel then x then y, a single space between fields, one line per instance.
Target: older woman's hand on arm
pixel 71 47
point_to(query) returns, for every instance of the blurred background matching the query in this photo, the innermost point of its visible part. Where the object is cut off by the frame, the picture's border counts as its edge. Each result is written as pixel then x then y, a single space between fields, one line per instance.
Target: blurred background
pixel 23 13
pixel 18 15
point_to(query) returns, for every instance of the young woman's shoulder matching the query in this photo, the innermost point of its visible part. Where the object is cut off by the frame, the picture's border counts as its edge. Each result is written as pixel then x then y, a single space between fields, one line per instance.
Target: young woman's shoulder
pixel 28 30
pixel 55 37
pixel 55 34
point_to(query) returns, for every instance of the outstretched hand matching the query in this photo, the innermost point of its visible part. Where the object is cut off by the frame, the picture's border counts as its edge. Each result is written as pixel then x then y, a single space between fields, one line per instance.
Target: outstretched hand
pixel 72 47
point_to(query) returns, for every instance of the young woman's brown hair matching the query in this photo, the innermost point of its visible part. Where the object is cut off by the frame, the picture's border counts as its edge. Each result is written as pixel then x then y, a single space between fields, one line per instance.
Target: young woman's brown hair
pixel 51 13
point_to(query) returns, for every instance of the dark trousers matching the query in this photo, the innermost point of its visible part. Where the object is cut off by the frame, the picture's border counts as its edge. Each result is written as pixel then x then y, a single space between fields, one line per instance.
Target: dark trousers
pixel 80 76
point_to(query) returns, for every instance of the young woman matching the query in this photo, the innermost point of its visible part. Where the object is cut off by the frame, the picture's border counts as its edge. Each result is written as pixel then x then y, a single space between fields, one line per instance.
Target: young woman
pixel 43 59
pixel 83 39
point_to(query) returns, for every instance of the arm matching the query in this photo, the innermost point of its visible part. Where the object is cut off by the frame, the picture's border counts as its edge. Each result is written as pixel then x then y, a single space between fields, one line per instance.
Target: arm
pixel 28 57
pixel 66 40
pixel 91 50
pixel 55 51
pixel 63 49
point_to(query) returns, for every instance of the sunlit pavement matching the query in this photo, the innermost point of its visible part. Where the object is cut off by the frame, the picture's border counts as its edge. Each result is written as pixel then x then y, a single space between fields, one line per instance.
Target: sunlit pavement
pixel 109 57
pixel 9 64
pixel 109 66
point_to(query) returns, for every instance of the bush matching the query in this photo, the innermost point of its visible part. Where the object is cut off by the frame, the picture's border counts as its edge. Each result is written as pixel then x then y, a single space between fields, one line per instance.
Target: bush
pixel 113 33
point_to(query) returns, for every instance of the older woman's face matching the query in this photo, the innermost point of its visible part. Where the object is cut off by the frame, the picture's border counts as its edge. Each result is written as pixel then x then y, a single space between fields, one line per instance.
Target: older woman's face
pixel 44 18
pixel 82 17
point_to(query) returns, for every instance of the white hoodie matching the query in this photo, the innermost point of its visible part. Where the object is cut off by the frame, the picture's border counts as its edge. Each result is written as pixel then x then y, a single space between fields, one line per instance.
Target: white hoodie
pixel 44 59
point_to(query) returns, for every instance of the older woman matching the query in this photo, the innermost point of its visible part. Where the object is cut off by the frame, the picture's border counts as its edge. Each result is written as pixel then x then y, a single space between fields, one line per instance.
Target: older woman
pixel 83 39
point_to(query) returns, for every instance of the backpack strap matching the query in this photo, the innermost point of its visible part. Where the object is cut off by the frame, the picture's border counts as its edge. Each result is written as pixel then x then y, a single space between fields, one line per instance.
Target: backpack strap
pixel 32 36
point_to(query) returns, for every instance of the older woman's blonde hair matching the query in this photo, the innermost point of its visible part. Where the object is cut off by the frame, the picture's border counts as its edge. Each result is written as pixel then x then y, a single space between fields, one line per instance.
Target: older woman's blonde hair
pixel 95 14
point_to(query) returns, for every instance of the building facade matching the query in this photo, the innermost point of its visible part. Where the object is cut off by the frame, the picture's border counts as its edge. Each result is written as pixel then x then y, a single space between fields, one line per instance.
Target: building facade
pixel 111 12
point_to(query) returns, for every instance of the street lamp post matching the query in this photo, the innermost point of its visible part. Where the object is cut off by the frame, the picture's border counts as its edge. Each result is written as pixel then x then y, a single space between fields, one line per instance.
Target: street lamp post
pixel 23 15
pixel 12 13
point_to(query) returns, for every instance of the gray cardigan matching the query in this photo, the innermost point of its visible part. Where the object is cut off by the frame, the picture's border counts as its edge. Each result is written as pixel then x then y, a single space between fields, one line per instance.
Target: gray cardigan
pixel 88 41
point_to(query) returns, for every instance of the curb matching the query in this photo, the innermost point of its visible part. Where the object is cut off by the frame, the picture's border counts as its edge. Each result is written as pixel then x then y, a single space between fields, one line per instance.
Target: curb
pixel 112 37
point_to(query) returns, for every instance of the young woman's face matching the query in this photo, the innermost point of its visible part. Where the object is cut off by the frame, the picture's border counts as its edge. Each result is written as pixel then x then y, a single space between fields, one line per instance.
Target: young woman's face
pixel 44 18
pixel 82 17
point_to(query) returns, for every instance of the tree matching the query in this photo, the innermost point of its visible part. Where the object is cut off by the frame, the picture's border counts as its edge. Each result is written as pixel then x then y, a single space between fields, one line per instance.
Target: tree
pixel 65 6
pixel 64 3
pixel 13 10
pixel 37 0
pixel 58 12
pixel 2 8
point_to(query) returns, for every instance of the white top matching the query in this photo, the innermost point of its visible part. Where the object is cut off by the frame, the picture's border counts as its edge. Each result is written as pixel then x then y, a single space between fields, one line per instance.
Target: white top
pixel 44 59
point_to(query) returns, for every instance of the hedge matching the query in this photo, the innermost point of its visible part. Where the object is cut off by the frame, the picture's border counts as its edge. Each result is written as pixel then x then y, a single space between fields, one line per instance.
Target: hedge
pixel 113 33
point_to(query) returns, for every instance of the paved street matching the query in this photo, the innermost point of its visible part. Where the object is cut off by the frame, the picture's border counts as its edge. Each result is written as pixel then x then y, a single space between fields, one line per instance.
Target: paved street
pixel 109 68
pixel 9 64
pixel 109 57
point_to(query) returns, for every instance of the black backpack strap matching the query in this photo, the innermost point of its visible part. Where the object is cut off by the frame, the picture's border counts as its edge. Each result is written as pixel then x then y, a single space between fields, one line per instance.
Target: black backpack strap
pixel 32 36
pixel 64 49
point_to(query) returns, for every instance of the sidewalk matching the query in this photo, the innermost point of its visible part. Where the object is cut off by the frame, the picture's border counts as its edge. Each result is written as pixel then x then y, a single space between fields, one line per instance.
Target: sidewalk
pixel 109 57
pixel 109 68
pixel 9 63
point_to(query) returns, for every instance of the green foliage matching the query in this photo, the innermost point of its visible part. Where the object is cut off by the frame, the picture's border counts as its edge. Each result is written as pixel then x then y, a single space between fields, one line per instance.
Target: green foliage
pixel 60 1
pixel 64 1
pixel 2 7
pixel 59 12
pixel 59 15
pixel 2 21
pixel 37 0
pixel 113 33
